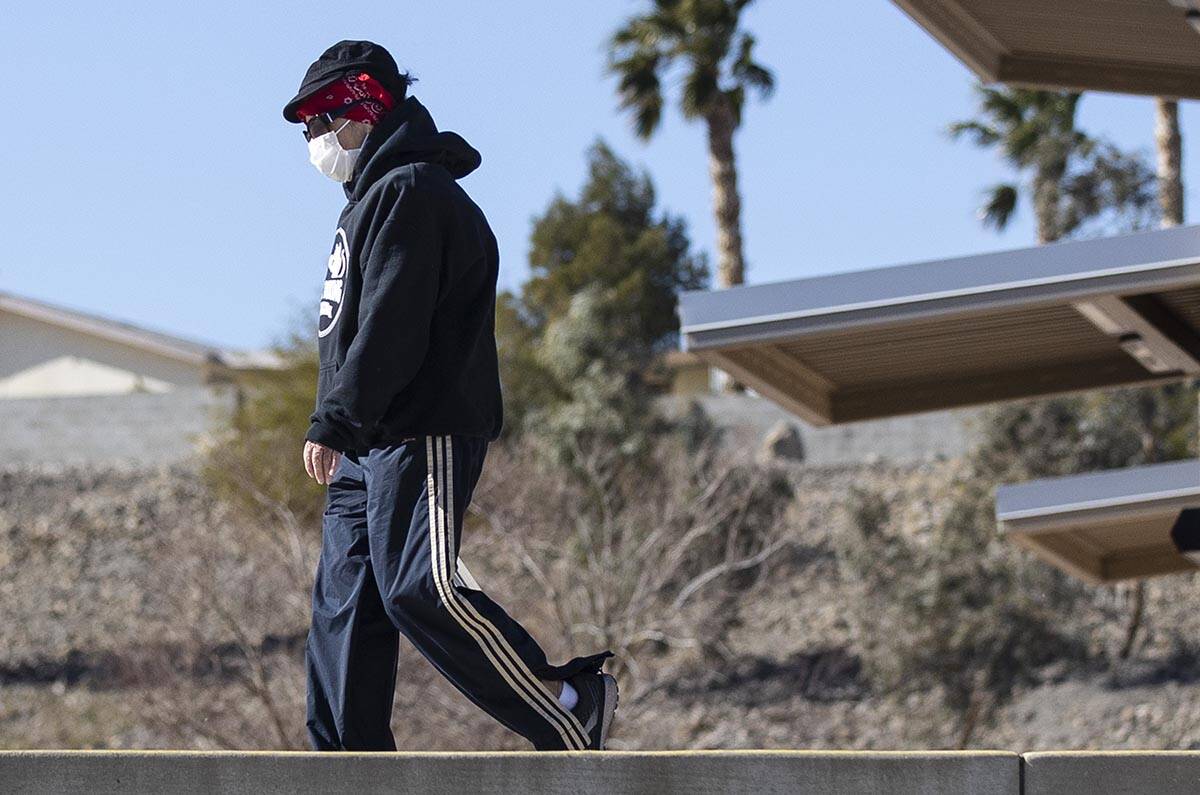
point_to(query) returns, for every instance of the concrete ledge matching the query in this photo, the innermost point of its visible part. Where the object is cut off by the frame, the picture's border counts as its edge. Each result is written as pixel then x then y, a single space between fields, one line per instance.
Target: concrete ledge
pixel 1112 772
pixel 691 772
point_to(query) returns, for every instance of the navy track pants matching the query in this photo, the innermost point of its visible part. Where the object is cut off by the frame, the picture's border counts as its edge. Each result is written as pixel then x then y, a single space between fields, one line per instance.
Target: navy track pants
pixel 389 566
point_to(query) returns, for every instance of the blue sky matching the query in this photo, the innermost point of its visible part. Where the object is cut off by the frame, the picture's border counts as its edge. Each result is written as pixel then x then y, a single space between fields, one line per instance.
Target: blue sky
pixel 149 175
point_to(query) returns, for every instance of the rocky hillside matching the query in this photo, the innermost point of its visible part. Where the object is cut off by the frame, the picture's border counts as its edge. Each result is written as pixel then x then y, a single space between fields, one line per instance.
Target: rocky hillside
pixel 136 611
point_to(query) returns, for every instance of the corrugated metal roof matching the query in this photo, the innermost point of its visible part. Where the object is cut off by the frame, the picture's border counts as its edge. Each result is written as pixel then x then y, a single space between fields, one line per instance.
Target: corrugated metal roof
pixel 1115 491
pixel 1104 526
pixel 960 331
pixel 1145 256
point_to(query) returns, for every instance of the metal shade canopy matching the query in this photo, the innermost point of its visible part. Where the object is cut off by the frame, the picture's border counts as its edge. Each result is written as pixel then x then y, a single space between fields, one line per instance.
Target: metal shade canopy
pixel 1128 46
pixel 958 332
pixel 1108 526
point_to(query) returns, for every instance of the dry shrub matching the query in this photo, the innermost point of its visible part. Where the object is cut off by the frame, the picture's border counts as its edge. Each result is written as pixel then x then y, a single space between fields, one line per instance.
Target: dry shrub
pixel 955 607
pixel 241 593
pixel 638 566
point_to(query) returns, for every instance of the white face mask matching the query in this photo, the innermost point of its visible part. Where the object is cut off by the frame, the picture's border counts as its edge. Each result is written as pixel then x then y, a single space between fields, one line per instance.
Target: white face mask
pixel 326 153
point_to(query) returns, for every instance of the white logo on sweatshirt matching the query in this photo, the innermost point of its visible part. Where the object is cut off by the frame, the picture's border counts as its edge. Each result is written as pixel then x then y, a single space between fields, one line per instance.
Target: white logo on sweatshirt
pixel 335 284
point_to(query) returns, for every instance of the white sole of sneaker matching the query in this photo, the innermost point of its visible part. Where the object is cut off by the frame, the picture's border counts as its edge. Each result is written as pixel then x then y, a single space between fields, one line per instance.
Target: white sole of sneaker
pixel 611 697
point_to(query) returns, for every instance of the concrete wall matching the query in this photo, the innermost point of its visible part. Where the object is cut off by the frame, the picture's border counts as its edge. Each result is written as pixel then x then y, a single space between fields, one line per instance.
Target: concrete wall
pixel 159 428
pixel 143 428
pixel 693 773
pixel 1112 773
pixel 920 437
pixel 688 772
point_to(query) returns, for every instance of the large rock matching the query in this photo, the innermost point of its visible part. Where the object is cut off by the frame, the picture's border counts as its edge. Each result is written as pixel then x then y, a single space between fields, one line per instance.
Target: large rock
pixel 783 441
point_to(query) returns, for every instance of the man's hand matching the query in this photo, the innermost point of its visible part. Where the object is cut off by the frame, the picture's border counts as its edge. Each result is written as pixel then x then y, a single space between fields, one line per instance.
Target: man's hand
pixel 320 461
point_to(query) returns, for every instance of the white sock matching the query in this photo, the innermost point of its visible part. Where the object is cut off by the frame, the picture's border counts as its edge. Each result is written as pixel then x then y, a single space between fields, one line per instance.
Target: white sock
pixel 568 697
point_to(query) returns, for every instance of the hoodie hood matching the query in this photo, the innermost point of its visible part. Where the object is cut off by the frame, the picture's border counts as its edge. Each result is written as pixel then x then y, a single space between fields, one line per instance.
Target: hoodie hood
pixel 407 134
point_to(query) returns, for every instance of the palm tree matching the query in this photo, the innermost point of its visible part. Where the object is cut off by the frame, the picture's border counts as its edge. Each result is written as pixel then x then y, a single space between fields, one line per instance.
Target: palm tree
pixel 1169 143
pixel 1035 131
pixel 703 35
pixel 1073 178
pixel 1152 405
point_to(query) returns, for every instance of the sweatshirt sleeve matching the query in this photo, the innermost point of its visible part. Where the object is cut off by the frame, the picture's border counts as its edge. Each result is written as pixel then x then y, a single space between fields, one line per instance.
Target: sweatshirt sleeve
pixel 401 271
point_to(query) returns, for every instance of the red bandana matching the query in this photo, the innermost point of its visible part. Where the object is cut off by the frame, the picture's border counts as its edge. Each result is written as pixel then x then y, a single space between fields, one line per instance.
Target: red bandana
pixel 353 87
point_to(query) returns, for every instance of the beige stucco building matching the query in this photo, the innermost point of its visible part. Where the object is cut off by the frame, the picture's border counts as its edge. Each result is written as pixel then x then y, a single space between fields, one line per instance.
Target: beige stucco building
pixel 80 387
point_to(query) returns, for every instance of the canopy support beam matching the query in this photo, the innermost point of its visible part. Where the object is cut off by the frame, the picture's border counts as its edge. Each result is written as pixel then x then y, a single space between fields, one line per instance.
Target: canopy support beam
pixel 1147 330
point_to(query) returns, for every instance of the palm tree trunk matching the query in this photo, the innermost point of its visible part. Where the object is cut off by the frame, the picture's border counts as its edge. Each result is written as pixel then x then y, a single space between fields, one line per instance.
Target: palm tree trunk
pixel 1045 206
pixel 1169 142
pixel 1148 408
pixel 1135 620
pixel 727 205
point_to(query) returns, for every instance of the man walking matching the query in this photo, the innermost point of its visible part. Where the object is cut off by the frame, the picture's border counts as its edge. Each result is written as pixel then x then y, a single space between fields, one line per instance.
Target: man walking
pixel 408 399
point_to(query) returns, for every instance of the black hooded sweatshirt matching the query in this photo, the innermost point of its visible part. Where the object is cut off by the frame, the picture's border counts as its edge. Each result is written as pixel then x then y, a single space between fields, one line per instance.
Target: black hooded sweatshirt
pixel 406 330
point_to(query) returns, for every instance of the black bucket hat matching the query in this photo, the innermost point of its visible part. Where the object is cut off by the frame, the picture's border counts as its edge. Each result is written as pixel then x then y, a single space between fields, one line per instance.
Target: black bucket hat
pixel 343 57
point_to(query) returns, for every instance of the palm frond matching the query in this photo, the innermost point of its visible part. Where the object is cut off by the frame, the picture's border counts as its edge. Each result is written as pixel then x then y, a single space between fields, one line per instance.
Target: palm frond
pixel 704 35
pixel 640 89
pixel 1083 144
pixel 1005 107
pixel 653 31
pixel 1112 184
pixel 736 97
pixel 647 116
pixel 1000 207
pixel 700 91
pixel 980 133
pixel 748 72
pixel 1022 142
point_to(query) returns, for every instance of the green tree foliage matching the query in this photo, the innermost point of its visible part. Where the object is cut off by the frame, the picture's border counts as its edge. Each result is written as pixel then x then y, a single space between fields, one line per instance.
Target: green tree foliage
pixel 525 381
pixel 606 270
pixel 613 238
pixel 604 419
pixel 1074 180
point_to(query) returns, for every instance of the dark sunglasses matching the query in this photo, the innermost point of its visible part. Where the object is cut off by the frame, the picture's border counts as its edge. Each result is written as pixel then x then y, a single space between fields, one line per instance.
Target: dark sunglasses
pixel 322 123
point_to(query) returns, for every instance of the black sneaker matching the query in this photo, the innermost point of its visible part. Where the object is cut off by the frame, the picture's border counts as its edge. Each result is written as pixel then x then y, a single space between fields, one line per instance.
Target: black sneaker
pixel 597 703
